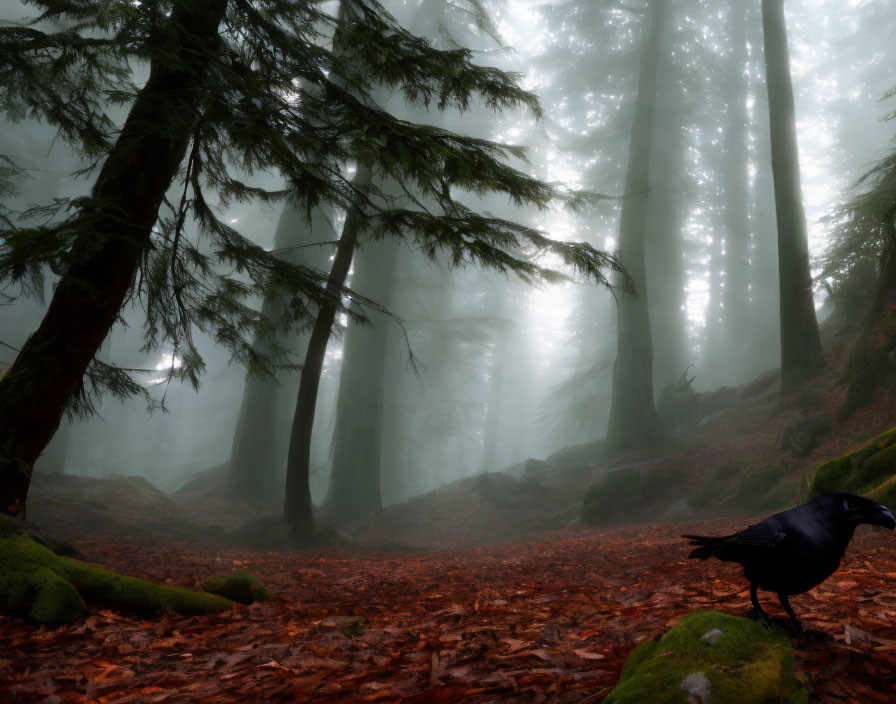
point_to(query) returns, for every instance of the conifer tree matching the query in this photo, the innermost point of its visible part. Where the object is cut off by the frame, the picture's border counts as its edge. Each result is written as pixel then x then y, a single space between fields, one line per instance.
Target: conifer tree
pixel 634 422
pixel 801 352
pixel 234 87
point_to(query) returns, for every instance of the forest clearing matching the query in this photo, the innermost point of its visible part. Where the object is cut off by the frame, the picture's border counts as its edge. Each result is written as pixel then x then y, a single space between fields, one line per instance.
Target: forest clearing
pixel 415 351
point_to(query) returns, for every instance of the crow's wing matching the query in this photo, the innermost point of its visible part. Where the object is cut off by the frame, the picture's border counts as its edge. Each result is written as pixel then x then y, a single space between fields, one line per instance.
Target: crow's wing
pixel 735 548
pixel 761 535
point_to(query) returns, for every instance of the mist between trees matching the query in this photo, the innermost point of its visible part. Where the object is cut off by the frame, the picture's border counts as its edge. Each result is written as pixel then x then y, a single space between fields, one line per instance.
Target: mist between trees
pixel 648 131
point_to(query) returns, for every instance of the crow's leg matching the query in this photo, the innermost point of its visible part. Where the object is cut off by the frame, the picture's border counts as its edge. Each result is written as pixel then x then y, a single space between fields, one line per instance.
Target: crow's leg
pixel 757 609
pixel 789 609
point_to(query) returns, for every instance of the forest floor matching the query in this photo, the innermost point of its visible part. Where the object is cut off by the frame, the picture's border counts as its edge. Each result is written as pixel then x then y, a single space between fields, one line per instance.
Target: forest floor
pixel 461 595
pixel 540 621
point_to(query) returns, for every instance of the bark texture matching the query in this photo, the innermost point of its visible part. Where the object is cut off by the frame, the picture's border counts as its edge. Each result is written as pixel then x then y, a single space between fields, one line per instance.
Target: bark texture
pixel 801 352
pixel 105 256
pixel 297 507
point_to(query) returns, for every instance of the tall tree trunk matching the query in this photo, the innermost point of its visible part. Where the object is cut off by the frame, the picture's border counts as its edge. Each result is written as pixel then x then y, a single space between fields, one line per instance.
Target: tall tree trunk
pixel 801 353
pixel 52 460
pixel 358 436
pixel 88 298
pixel 258 454
pixel 297 509
pixel 665 210
pixel 634 422
pixel 495 308
pixel 737 314
pixel 495 403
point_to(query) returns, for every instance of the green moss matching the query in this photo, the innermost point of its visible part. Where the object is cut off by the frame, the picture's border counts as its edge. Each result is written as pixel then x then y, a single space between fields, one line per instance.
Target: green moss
pixel 142 488
pixel 761 489
pixel 866 470
pixel 759 481
pixel 746 664
pixel 241 587
pixel 43 587
pixel 870 362
pixel 626 491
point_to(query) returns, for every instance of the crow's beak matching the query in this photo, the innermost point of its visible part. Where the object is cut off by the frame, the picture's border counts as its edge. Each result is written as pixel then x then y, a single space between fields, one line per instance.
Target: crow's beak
pixel 884 518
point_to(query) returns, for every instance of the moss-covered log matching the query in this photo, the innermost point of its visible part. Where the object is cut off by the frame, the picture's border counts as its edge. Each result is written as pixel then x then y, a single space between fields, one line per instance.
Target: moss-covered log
pixel 42 587
pixel 711 656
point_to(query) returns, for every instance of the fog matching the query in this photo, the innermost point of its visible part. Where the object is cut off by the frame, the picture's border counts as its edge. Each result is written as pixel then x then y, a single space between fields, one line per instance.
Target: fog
pixel 481 371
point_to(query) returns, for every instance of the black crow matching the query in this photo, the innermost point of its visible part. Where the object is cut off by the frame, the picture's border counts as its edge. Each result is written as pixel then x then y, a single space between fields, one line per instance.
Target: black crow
pixel 795 550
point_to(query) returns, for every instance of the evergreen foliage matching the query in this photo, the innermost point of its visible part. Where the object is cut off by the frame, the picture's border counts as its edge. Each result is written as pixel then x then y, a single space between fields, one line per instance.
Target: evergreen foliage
pixel 289 90
pixel 863 245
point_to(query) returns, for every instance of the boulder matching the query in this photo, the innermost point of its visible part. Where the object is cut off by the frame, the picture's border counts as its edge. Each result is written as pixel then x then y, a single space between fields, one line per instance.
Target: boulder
pixel 764 488
pixel 626 492
pixel 803 437
pixel 869 469
pixel 241 587
pixel 712 658
pixel 503 491
pixel 538 469
pixel 577 470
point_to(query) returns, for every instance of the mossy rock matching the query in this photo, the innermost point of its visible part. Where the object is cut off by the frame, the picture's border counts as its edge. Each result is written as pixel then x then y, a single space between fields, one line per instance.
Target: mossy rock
pixel 241 587
pixel 604 499
pixel 712 657
pixel 627 491
pixel 44 588
pixel 871 470
pixel 710 492
pixel 762 489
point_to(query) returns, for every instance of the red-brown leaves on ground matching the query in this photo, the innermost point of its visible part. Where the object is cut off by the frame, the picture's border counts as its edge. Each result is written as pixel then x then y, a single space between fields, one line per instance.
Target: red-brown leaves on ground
pixel 548 621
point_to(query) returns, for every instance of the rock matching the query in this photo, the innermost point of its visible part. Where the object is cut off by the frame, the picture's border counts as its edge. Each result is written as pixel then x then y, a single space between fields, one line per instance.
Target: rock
pixel 498 489
pixel 715 401
pixel 802 437
pixel 763 488
pixel 577 470
pixel 589 452
pixel 696 686
pixel 618 490
pixel 712 637
pixel 241 587
pixel 870 469
pixel 626 492
pixel 742 663
pixel 538 469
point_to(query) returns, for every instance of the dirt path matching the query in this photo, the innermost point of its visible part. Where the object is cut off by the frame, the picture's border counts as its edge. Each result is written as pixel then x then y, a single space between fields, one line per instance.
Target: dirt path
pixel 547 621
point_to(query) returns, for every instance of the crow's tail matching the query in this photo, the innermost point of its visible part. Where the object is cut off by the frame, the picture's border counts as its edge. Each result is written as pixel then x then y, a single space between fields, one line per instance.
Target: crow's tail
pixel 708 545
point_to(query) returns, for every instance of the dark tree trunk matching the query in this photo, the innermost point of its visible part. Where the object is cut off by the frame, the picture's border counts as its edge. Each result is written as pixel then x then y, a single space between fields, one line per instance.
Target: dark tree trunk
pixel 258 454
pixel 801 353
pixel 358 435
pixel 88 298
pixel 634 422
pixel 297 509
pixel 52 459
